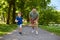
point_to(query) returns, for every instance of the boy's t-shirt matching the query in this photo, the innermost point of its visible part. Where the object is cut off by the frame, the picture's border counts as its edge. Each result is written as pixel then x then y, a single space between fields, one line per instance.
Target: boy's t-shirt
pixel 19 20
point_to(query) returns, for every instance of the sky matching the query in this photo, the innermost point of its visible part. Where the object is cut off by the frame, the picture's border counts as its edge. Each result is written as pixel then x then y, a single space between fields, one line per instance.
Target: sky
pixel 55 3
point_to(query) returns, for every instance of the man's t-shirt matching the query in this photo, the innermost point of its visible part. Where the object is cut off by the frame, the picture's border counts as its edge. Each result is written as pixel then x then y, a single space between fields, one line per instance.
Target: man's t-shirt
pixel 33 15
pixel 19 20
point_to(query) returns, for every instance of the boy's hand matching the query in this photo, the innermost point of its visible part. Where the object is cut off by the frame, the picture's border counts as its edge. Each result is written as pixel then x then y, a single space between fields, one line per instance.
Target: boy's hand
pixel 16 20
pixel 23 20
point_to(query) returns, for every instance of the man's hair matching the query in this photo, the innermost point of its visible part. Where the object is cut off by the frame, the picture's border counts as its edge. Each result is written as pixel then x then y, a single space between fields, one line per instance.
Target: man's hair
pixel 33 8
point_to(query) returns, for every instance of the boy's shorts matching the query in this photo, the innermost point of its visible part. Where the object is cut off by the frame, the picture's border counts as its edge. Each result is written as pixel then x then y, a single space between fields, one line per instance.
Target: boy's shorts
pixel 20 26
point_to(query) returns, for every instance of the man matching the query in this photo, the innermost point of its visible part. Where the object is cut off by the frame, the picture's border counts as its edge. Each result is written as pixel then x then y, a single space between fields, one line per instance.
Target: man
pixel 33 16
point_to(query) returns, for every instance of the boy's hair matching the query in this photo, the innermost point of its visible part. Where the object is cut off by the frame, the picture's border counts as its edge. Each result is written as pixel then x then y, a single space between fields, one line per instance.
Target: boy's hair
pixel 19 13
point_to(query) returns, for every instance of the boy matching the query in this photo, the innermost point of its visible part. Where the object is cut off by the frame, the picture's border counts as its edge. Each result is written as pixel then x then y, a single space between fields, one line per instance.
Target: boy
pixel 19 21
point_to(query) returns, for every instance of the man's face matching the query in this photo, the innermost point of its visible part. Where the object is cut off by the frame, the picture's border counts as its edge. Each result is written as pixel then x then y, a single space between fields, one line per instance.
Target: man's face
pixel 34 10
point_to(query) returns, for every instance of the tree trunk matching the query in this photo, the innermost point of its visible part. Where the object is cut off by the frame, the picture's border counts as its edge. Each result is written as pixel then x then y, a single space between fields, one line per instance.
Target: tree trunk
pixel 3 17
pixel 22 7
pixel 13 14
pixel 8 15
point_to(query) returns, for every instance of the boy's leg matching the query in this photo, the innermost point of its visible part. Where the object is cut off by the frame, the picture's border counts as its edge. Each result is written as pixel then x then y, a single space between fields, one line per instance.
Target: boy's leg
pixel 20 29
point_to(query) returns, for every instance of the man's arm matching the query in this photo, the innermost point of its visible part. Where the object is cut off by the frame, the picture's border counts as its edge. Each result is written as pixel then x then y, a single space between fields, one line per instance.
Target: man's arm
pixel 29 16
pixel 37 17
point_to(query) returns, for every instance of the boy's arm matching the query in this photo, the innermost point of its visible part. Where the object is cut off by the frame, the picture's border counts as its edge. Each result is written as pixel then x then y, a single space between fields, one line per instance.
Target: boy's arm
pixel 22 19
pixel 16 20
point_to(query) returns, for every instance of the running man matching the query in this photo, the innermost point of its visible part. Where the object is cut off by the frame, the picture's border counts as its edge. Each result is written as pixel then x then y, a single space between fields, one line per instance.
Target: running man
pixel 33 16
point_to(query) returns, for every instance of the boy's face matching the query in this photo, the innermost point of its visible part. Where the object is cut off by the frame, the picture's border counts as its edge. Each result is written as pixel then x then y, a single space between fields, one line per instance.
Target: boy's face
pixel 19 14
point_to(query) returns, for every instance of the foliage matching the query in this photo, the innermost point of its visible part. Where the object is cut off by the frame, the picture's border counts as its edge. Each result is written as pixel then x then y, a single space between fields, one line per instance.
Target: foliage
pixel 53 29
pixel 9 8
pixel 4 28
pixel 48 15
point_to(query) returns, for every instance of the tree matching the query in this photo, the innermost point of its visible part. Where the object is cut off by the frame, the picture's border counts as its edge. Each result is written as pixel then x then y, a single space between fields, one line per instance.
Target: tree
pixel 25 6
pixel 11 4
pixel 9 9
pixel 14 10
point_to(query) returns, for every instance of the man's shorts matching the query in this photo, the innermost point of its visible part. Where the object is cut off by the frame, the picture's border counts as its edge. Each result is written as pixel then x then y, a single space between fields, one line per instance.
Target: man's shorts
pixel 32 21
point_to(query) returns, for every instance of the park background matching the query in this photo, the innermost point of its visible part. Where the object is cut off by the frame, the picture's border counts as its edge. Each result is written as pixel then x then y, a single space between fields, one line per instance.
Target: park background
pixel 49 14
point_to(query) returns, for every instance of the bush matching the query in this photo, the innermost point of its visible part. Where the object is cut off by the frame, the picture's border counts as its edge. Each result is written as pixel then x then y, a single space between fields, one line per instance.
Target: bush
pixel 4 28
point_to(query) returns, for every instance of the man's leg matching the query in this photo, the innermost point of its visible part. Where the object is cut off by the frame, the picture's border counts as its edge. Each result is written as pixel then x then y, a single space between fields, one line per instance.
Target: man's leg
pixel 36 26
pixel 33 28
pixel 32 25
pixel 36 29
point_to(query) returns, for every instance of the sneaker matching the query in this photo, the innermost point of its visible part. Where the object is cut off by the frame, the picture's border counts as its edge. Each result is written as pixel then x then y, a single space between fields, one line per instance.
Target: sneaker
pixel 33 31
pixel 20 32
pixel 36 32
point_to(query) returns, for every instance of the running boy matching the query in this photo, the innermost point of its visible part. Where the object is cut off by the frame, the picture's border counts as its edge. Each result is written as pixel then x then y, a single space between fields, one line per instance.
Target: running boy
pixel 19 21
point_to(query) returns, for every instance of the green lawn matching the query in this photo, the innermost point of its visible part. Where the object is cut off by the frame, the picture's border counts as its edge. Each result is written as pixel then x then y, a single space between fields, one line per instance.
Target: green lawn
pixel 53 29
pixel 4 28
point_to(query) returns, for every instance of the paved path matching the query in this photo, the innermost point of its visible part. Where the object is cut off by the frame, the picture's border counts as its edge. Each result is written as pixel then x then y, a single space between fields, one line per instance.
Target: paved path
pixel 27 35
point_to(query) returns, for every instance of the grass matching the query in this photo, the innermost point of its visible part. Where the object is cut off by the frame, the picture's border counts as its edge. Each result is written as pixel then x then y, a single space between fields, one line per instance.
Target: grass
pixel 4 28
pixel 53 29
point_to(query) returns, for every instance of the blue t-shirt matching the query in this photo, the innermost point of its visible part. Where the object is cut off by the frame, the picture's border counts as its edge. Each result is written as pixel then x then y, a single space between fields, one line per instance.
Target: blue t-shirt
pixel 19 20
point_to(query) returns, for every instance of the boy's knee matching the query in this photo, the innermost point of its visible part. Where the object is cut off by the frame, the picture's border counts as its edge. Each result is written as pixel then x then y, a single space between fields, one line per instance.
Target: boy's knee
pixel 20 25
